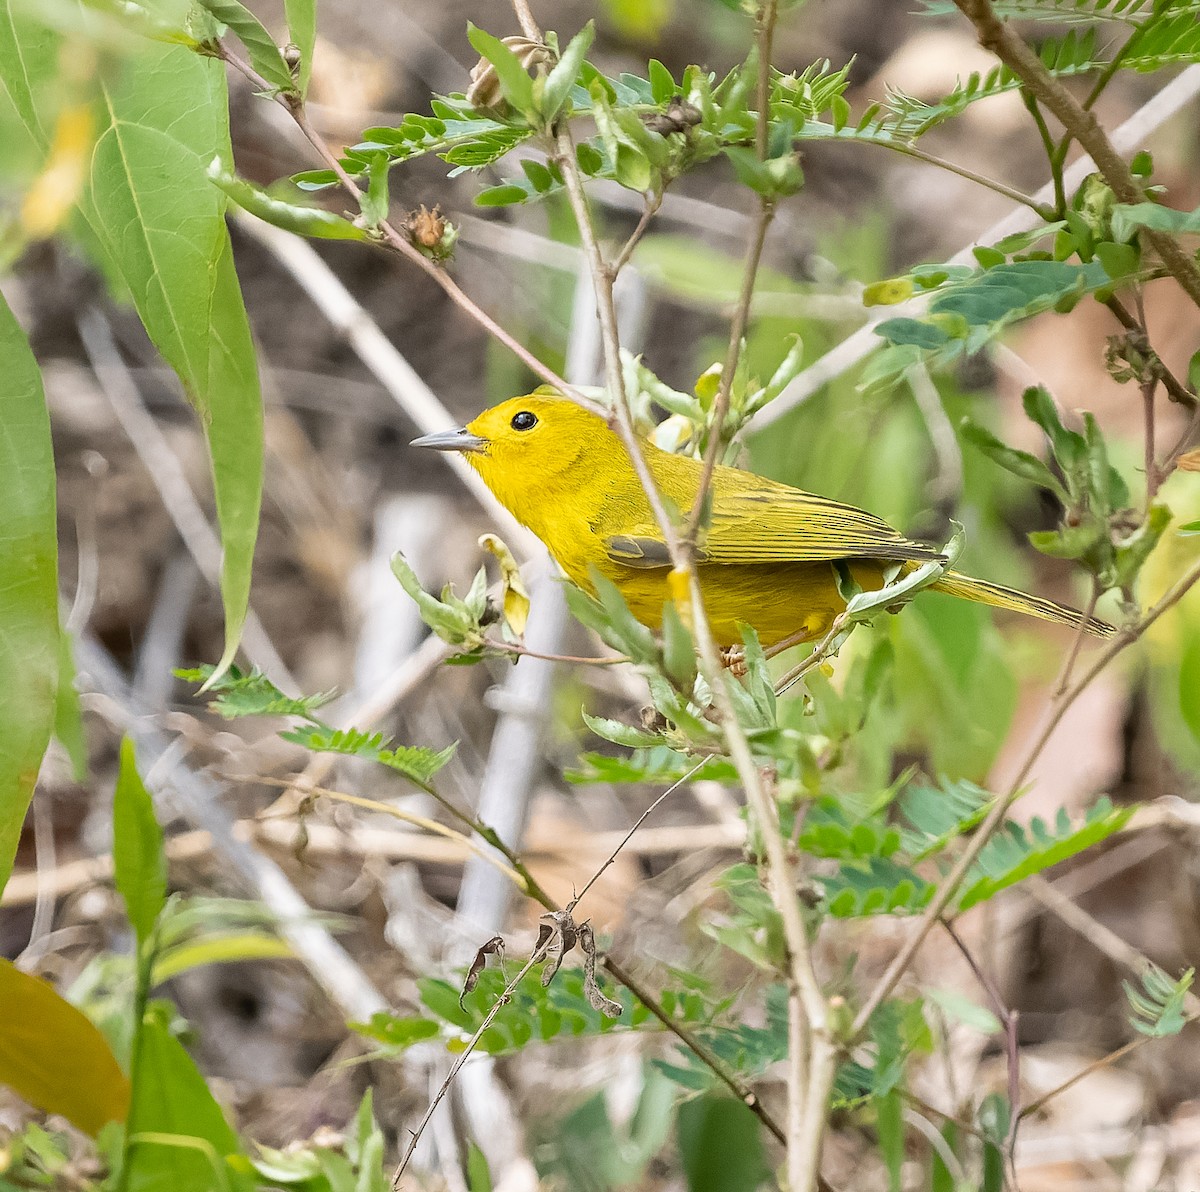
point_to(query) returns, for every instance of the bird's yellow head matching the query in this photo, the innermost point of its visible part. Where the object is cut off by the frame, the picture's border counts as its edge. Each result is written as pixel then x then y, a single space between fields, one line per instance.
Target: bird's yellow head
pixel 526 447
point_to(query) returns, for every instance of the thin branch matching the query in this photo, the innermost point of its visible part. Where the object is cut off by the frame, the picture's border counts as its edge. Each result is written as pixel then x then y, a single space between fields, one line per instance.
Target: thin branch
pixel 949 886
pixel 641 819
pixel 539 953
pixel 1082 125
pixel 653 203
pixel 1177 94
pixel 401 245
pixel 764 35
pixel 1008 1020
pixel 951 167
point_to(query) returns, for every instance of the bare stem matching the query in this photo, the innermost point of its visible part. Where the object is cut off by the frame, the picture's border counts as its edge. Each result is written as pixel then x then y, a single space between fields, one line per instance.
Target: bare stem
pixel 1082 125
pixel 653 203
pixel 539 953
pixel 764 33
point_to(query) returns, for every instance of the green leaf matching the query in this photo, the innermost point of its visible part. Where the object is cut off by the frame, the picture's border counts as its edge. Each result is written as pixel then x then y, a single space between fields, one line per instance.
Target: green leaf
pixel 620 733
pixel 1019 463
pixel 515 84
pixel 305 221
pixel 503 195
pixel 565 73
pixel 453 624
pixel 720 1143
pixel 679 651
pixel 178 1138
pixel 479 1176
pixel 162 228
pixel 302 25
pixel 251 694
pixel 1189 685
pixel 139 863
pixel 264 53
pixel 29 55
pixel 1158 1007
pixel 960 1007
pixel 68 715
pixel 1119 260
pixel 224 948
pixel 662 83
pixel 889 1122
pixel 1015 852
pixel 1129 218
pixel 29 633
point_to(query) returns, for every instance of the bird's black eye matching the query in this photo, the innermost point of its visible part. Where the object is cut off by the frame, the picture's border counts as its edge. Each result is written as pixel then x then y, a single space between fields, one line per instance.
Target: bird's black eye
pixel 523 420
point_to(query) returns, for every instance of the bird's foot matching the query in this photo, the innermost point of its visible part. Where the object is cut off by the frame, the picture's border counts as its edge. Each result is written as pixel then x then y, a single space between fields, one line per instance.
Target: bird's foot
pixel 734 659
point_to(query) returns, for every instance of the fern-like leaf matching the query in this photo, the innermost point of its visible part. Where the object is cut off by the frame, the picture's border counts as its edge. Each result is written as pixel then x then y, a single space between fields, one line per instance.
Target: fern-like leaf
pixel 1015 853
pixel 239 693
pixel 1158 1006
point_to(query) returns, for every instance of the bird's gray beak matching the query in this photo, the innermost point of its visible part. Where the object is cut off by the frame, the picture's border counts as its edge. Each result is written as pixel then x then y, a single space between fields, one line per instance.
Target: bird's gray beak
pixel 451 440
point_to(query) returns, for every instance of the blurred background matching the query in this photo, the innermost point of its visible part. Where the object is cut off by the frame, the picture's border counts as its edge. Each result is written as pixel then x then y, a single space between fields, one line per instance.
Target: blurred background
pixel 344 492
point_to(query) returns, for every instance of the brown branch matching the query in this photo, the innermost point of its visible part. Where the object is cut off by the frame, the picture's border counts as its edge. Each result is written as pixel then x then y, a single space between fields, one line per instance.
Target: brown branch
pixel 1002 40
pixel 400 244
pixel 949 886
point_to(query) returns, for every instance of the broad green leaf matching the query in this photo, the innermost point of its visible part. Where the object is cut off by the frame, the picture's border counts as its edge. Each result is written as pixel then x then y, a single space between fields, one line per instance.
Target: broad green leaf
pixel 28 59
pixel 889 1123
pixel 53 1057
pixel 620 733
pixel 162 228
pixel 264 53
pixel 29 636
pixel 479 1176
pixel 720 1143
pixel 306 221
pixel 171 1100
pixel 1128 218
pixel 139 863
pixel 302 25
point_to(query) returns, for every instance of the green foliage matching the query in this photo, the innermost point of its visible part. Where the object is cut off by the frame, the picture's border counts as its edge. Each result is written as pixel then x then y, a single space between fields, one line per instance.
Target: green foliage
pixel 240 693
pixel 29 635
pixel 139 864
pixel 1098 531
pixel 721 1145
pixel 253 694
pixel 1158 1006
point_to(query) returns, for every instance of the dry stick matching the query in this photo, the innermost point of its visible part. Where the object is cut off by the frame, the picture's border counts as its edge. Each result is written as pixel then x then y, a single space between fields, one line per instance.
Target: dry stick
pixel 948 888
pixel 157 456
pixel 539 953
pixel 198 798
pixel 1176 95
pixel 1101 937
pixel 1002 40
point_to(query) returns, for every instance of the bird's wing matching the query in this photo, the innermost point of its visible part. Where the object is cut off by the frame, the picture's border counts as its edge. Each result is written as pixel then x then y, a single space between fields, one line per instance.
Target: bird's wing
pixel 776 524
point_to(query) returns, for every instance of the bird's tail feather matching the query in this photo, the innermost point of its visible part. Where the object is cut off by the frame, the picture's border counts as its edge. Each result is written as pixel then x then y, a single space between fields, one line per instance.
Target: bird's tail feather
pixel 982 592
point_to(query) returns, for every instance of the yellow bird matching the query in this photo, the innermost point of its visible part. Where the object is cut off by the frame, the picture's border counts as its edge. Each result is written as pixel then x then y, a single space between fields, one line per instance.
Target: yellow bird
pixel 767 559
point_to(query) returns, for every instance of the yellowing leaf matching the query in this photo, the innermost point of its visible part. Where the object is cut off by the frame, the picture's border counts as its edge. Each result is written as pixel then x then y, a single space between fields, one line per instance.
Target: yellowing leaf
pixel 1189 461
pixel 53 1057
pixel 516 595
